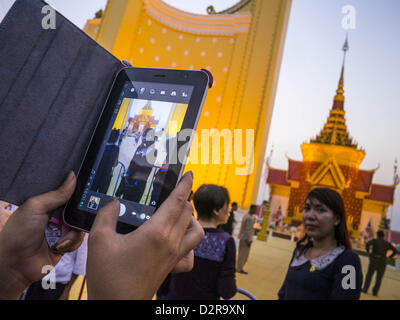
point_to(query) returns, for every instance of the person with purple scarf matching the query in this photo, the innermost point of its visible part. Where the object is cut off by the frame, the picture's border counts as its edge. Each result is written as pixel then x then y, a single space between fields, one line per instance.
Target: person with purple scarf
pixel 213 273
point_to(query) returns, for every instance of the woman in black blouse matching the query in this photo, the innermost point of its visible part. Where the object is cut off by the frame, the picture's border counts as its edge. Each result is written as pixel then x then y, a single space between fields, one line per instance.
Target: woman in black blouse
pixel 213 274
pixel 323 265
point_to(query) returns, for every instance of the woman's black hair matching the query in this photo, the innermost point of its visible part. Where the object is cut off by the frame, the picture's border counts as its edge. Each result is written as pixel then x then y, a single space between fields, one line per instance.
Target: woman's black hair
pixel 209 197
pixel 334 201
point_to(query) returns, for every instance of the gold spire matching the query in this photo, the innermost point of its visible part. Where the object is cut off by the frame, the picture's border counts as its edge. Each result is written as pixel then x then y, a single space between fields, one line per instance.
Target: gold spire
pixel 147 106
pixel 339 92
pixel 335 129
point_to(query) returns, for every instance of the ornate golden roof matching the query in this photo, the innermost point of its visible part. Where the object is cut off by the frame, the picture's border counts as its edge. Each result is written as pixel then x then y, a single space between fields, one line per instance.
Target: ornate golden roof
pixel 335 130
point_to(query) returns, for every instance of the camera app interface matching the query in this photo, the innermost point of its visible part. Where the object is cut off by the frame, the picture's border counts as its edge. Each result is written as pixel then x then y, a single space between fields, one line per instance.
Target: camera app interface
pixel 137 149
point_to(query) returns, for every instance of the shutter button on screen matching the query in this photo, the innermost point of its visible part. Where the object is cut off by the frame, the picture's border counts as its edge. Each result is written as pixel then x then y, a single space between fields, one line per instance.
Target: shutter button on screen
pixel 122 209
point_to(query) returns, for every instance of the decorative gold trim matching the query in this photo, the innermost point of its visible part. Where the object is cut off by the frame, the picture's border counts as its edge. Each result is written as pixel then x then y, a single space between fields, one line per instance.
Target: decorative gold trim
pixel 236 7
pixel 319 152
pixel 222 24
pixel 294 184
pixel 280 190
pixel 331 166
pixel 375 206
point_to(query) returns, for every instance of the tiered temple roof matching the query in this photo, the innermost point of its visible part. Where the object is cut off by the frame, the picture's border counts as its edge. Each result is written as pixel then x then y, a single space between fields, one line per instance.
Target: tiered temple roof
pixel 335 133
pixel 335 129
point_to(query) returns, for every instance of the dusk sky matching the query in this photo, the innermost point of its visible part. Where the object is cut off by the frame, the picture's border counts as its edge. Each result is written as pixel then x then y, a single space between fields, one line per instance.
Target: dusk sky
pixel 310 72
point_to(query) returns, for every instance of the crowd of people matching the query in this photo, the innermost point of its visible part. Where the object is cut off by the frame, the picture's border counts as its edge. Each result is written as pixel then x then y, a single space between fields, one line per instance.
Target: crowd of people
pixel 176 256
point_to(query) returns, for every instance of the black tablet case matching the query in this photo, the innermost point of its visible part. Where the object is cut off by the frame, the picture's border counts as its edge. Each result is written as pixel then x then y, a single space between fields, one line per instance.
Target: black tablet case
pixel 53 87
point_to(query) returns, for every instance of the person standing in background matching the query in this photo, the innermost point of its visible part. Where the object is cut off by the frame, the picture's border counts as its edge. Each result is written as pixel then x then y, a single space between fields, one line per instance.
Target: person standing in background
pixel 377 261
pixel 213 274
pixel 108 162
pixel 246 235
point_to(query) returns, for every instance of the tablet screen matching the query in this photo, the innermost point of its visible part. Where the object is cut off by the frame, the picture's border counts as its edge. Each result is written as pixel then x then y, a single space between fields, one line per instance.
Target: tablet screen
pixel 137 149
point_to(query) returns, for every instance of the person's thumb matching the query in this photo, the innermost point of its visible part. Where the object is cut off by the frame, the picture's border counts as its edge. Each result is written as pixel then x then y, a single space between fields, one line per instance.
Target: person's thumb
pixel 107 217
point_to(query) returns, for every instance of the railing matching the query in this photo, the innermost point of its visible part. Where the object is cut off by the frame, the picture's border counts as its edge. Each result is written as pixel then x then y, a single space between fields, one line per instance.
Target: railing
pixel 246 293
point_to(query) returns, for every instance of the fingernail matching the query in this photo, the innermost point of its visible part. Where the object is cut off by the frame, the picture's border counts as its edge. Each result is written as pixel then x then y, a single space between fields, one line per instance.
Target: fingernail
pixel 191 174
pixel 61 246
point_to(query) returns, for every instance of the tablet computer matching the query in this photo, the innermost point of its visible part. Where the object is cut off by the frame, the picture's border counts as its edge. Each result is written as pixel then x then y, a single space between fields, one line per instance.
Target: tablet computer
pixel 140 145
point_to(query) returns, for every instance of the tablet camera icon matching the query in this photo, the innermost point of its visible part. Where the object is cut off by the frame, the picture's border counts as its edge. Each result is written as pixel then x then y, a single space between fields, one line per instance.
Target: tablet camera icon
pixel 162 92
pixel 122 209
pixel 184 94
pixel 142 90
pixel 153 203
pixel 152 91
pixel 132 89
pixel 173 93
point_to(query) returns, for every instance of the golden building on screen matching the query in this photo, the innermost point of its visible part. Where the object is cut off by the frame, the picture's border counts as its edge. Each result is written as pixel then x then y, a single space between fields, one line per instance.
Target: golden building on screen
pixel 241 46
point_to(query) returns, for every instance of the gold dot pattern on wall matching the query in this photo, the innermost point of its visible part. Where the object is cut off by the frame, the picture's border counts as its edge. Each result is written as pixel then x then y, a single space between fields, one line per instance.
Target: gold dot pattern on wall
pixel 218 99
pixel 206 113
pixel 159 49
pixel 231 41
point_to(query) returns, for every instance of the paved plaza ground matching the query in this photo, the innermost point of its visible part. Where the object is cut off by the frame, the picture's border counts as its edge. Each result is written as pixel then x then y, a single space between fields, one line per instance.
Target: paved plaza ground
pixel 267 266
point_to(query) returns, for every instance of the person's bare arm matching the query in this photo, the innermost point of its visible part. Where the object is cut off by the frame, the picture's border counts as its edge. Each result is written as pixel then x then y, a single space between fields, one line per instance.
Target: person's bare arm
pixel 23 247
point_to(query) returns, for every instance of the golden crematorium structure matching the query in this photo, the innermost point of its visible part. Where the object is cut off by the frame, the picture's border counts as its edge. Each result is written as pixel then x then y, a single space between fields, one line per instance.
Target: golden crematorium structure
pixel 332 159
pixel 241 46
